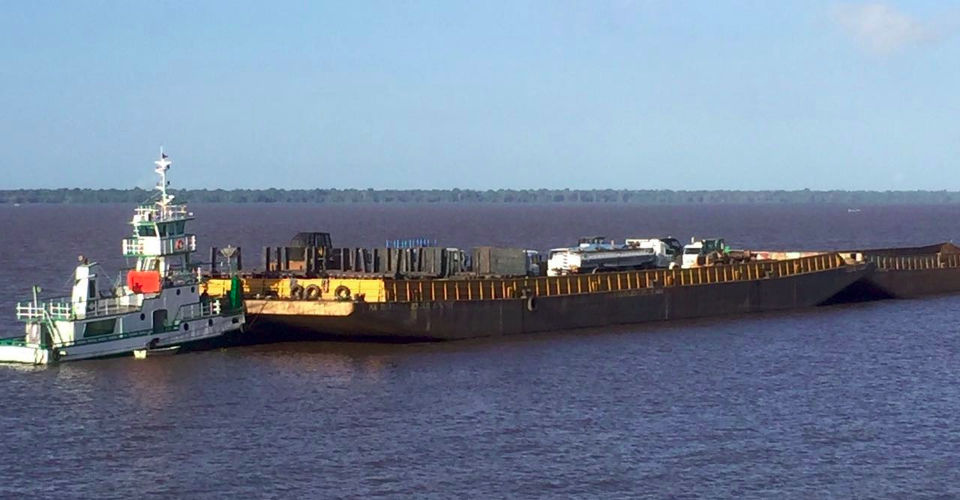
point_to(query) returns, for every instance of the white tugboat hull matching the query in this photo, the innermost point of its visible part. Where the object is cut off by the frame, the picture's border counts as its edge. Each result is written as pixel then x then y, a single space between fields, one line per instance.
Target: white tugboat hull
pixel 138 341
pixel 24 354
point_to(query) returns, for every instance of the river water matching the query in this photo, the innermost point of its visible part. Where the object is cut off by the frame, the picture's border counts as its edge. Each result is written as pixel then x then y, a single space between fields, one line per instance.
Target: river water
pixel 854 400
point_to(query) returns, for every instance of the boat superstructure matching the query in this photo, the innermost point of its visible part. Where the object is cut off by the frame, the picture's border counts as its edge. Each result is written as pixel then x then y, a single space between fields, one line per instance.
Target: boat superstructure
pixel 160 304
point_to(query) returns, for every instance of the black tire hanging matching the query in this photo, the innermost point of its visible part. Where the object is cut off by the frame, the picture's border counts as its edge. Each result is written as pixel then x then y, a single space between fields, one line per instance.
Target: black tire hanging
pixel 342 292
pixel 312 292
pixel 296 292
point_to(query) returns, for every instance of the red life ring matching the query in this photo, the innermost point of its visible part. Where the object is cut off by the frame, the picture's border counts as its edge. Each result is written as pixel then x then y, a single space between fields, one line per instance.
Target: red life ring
pixel 179 245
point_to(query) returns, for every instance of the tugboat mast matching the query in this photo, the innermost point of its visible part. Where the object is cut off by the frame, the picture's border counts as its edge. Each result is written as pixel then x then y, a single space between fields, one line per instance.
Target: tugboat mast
pixel 163 164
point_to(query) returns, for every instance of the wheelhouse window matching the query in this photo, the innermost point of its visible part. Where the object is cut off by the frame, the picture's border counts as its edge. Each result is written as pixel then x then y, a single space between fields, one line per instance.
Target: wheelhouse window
pixel 172 229
pixel 147 230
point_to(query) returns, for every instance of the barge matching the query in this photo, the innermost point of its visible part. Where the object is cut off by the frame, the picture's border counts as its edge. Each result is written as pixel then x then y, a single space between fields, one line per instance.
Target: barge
pixel 373 299
pixel 408 310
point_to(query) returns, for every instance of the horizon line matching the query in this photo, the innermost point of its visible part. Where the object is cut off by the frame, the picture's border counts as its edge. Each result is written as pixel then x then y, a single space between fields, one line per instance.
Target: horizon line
pixel 367 189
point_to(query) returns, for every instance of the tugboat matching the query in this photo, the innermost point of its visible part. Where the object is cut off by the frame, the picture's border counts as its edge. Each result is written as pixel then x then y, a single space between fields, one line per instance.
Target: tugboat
pixel 159 308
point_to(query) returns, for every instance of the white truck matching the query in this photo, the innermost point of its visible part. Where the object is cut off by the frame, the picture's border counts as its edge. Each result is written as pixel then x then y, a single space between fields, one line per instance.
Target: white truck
pixel 597 255
pixel 667 250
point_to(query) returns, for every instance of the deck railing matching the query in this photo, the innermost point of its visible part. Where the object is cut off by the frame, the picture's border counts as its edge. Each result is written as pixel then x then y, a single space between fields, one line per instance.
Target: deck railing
pixel 107 307
pixel 62 309
pixel 199 310
pixel 508 288
pixel 56 309
pixel 915 262
pixel 153 213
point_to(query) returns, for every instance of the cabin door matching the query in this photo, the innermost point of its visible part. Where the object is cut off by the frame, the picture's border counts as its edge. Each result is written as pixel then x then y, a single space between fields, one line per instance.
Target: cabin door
pixel 159 320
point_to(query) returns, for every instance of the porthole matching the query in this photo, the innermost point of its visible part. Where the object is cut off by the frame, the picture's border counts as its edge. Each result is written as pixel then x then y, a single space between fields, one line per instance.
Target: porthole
pixel 143 316
pixel 186 326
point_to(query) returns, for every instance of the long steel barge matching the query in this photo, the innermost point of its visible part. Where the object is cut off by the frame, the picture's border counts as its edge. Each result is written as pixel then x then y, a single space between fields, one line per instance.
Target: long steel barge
pixel 457 308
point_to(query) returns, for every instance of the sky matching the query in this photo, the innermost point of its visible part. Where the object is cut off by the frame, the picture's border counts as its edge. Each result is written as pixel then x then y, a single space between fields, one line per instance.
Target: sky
pixel 625 94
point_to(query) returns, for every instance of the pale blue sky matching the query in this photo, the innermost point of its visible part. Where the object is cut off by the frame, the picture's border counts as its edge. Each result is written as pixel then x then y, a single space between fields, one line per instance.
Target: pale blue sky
pixel 520 94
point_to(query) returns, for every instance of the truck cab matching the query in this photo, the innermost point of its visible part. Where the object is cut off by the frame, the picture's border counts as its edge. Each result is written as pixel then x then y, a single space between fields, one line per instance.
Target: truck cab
pixel 533 261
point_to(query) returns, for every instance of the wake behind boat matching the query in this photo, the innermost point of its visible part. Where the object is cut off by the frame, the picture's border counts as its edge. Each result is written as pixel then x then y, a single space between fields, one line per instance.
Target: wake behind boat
pixel 160 305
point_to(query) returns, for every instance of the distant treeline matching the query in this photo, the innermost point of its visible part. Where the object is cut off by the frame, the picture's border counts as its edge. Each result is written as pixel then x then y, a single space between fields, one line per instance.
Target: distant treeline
pixel 852 198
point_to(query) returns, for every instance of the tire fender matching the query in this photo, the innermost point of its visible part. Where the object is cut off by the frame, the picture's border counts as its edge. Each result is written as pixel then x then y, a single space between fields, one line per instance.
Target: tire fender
pixel 312 292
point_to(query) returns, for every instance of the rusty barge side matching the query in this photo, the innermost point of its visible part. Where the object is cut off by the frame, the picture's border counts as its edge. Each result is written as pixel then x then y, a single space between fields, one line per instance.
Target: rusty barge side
pixel 451 309
pixel 906 273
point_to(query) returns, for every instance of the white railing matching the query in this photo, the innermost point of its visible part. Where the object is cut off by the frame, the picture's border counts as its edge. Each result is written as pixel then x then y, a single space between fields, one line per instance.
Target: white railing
pixel 57 309
pixel 63 309
pixel 29 312
pixel 107 307
pixel 133 246
pixel 154 213
pixel 200 310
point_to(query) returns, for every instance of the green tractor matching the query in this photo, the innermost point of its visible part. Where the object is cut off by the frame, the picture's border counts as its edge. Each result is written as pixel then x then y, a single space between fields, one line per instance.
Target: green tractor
pixel 711 252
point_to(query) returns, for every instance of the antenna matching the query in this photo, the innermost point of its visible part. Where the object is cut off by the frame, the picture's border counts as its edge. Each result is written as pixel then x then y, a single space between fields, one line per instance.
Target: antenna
pixel 163 164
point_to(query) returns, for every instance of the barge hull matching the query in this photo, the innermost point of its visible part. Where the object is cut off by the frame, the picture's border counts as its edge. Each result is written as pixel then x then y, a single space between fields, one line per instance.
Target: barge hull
pixel 453 320
pixel 909 284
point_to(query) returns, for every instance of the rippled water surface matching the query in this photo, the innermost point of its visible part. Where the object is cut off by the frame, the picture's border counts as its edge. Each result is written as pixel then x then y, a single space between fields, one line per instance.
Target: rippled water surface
pixel 857 400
